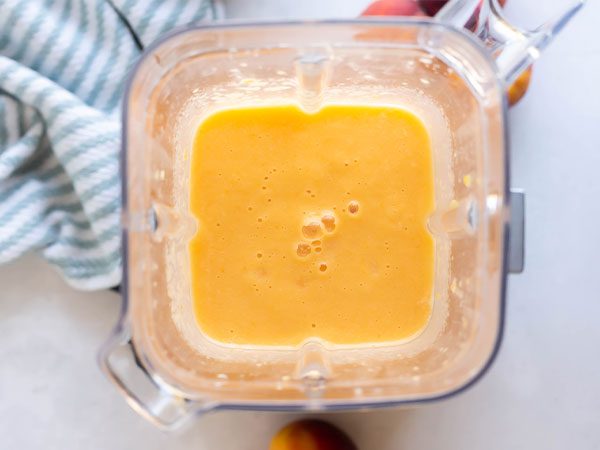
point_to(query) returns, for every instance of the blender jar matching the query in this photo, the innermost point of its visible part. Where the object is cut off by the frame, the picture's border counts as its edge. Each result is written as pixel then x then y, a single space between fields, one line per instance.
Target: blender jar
pixel 166 368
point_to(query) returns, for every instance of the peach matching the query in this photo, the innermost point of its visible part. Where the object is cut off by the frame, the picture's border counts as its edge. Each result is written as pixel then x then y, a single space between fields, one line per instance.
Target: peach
pixel 393 8
pixel 517 90
pixel 431 7
pixel 311 434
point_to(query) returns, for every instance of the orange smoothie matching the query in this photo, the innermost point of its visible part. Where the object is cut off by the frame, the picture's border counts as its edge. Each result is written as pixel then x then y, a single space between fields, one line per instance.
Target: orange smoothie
pixel 312 225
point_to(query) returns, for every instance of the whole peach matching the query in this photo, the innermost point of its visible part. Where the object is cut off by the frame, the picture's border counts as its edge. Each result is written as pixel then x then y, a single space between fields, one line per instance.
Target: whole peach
pixel 311 434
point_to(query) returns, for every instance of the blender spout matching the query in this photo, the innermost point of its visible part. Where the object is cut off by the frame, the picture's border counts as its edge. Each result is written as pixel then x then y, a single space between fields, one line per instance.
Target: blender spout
pixel 514 49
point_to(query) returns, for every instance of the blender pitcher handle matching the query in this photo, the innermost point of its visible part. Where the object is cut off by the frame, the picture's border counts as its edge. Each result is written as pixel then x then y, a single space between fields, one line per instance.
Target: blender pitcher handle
pixel 118 360
pixel 514 49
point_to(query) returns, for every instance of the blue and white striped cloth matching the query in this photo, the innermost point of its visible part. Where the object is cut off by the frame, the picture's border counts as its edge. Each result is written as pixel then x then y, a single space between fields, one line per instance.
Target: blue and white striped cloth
pixel 62 68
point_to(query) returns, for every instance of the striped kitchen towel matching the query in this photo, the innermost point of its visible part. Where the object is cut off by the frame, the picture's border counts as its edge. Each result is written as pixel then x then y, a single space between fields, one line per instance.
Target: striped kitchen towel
pixel 62 68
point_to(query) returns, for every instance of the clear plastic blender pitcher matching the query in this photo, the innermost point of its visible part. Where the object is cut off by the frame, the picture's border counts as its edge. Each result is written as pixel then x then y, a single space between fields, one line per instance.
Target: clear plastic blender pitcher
pixel 453 79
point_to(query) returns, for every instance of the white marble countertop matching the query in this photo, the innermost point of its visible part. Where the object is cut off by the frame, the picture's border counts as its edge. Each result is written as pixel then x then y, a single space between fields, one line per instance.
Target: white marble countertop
pixel 543 391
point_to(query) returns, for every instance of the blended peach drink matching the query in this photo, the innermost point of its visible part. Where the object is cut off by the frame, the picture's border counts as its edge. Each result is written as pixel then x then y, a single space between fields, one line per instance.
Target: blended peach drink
pixel 312 225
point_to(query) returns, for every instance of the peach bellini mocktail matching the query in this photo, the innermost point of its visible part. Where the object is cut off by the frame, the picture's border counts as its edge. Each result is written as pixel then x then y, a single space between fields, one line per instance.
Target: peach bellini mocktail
pixel 312 225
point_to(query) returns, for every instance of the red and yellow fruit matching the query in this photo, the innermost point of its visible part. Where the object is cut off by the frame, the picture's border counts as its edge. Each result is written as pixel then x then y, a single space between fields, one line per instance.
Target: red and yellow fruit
pixel 311 435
